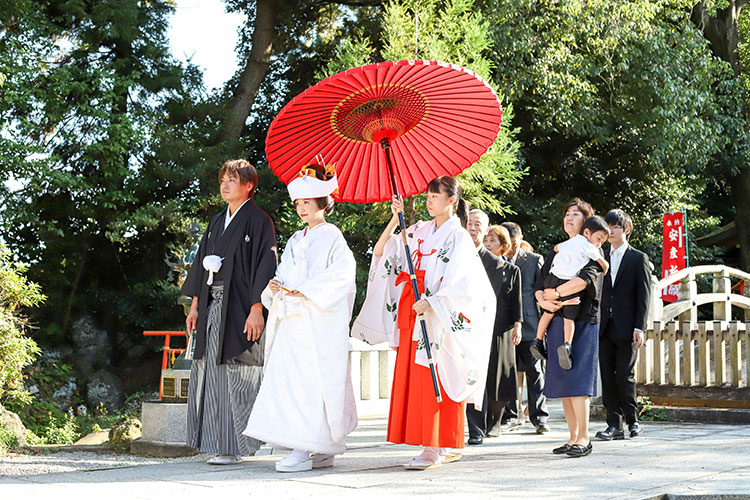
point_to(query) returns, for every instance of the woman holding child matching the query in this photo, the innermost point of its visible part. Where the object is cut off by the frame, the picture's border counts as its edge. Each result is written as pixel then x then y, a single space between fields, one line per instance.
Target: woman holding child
pixel 577 384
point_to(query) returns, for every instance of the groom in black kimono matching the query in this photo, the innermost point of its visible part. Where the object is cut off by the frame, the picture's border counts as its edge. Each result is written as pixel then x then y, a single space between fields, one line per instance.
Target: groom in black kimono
pixel 235 262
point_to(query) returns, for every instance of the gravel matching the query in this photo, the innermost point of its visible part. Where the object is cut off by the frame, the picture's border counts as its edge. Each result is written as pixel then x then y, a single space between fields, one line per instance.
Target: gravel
pixel 35 463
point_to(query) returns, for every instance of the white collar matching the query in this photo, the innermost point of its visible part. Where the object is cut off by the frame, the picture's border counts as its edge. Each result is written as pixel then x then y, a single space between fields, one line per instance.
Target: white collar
pixel 621 250
pixel 228 218
pixel 514 259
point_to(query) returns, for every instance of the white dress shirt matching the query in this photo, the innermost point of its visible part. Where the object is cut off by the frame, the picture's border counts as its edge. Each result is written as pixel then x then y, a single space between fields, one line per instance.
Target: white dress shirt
pixel 615 259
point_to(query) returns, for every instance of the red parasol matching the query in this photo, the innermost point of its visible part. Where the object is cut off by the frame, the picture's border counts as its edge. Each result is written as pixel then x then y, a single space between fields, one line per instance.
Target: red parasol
pixel 429 118
pixel 440 118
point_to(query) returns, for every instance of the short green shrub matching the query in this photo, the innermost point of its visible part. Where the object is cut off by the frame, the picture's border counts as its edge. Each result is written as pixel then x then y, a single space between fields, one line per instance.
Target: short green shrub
pixel 8 439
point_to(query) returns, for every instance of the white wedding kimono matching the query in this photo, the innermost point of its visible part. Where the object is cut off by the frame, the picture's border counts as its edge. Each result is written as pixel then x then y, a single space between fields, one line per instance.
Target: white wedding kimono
pixel 306 401
pixel 462 313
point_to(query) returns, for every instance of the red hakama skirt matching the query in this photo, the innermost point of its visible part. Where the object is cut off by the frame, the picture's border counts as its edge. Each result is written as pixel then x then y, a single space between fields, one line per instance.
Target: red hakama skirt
pixel 415 416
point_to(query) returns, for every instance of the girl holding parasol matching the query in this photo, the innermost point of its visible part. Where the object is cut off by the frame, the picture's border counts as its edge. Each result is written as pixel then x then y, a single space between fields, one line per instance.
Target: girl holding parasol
pixel 306 401
pixel 457 304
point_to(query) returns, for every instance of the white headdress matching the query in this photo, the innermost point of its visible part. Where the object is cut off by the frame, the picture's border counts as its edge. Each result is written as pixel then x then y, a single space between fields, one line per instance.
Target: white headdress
pixel 309 185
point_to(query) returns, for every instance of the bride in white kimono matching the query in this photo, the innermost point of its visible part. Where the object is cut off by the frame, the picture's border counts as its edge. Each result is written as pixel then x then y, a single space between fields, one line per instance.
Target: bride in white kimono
pixel 306 401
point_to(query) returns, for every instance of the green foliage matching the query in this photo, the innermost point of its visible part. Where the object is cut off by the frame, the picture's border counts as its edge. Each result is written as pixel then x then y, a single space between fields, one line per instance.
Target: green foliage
pixel 451 32
pixel 617 103
pixel 651 413
pixel 101 133
pixel 59 431
pixel 16 349
pixel 38 416
pixel 8 439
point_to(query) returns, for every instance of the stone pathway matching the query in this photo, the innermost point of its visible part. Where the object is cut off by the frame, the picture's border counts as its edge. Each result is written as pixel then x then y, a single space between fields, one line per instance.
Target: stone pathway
pixel 681 459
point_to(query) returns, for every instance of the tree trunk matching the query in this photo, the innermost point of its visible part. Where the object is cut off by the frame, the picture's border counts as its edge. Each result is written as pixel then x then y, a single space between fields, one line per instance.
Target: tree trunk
pixel 74 291
pixel 740 184
pixel 252 75
pixel 722 32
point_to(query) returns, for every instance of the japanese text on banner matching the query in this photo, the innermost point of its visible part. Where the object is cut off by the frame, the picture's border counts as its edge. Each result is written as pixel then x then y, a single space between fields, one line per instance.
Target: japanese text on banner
pixel 673 251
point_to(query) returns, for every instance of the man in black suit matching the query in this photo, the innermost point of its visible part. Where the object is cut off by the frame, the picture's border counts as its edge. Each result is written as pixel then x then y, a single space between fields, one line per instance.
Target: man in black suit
pixel 625 299
pixel 530 265
pixel 500 388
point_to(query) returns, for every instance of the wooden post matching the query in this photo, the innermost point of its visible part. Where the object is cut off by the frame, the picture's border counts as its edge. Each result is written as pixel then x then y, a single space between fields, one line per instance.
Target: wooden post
pixel 659 370
pixel 688 290
pixel 365 381
pixel 704 362
pixel 384 387
pixel 735 354
pixel 688 356
pixel 641 365
pixel 674 358
pixel 722 284
pixel 719 359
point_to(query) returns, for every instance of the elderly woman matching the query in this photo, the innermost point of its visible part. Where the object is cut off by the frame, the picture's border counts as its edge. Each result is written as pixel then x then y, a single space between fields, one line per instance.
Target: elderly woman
pixel 501 375
pixel 577 385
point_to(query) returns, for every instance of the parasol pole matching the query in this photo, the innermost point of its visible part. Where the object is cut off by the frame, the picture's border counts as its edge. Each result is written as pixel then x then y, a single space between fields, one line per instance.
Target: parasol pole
pixel 385 143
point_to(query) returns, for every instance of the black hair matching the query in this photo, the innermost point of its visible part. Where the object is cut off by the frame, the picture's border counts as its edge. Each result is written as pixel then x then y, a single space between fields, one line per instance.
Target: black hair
pixel 617 217
pixel 594 224
pixel 450 186
pixel 326 203
pixel 514 230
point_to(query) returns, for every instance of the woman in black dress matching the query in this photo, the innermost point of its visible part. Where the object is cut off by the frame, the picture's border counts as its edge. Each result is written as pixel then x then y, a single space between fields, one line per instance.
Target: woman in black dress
pixel 575 386
pixel 501 374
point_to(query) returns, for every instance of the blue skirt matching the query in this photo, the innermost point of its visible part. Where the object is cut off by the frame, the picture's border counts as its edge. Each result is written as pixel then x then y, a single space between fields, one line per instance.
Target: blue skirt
pixel 581 380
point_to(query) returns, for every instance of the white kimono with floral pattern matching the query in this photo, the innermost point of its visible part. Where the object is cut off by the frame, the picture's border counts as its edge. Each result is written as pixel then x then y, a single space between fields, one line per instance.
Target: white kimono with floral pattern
pixel 462 313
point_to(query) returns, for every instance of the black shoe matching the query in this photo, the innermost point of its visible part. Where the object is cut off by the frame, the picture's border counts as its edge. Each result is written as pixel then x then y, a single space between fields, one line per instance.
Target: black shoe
pixel 542 428
pixel 476 440
pixel 578 450
pixel 562 450
pixel 565 356
pixel 611 433
pixel 635 430
pixel 538 350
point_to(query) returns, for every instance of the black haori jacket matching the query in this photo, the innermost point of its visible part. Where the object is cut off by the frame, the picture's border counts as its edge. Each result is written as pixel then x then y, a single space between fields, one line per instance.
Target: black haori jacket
pixel 248 246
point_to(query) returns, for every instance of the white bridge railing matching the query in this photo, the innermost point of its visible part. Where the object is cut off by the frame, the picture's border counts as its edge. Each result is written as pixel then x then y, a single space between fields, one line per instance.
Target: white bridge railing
pixel 684 361
pixel 372 375
pixel 698 363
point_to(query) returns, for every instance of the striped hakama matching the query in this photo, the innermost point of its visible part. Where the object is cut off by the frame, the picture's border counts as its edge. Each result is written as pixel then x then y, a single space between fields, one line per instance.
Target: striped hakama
pixel 221 396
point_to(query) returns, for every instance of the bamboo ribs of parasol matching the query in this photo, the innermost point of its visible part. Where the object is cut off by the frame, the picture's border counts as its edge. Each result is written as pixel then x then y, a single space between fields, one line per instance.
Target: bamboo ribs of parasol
pixel 385 143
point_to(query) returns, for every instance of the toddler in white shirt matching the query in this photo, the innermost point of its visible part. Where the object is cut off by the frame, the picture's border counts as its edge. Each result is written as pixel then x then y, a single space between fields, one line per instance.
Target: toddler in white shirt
pixel 572 256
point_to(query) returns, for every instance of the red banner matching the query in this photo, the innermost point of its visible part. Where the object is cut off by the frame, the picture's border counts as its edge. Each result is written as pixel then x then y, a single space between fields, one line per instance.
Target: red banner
pixel 673 253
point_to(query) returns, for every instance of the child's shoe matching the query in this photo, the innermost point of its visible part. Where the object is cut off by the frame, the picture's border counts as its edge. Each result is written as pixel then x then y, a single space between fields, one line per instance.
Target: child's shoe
pixel 565 356
pixel 538 350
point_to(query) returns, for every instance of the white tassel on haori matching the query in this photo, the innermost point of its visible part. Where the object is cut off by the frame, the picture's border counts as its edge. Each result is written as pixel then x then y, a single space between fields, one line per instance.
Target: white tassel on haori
pixel 212 264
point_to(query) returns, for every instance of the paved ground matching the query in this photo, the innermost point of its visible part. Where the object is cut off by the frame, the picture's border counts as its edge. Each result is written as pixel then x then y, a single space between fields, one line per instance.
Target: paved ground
pixel 681 459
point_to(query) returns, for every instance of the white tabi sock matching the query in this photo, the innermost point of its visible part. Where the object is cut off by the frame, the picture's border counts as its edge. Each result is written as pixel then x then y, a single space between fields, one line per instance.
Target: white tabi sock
pixel 429 455
pixel 296 457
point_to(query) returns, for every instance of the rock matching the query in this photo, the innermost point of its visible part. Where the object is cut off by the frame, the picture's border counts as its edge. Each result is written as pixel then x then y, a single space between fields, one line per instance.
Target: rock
pixel 105 388
pixel 11 421
pixel 123 433
pixel 92 344
pixel 63 397
pixel 32 386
